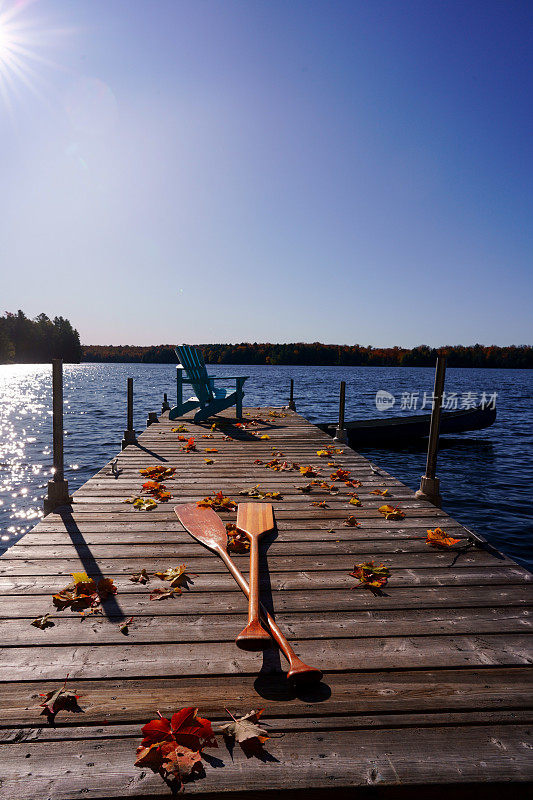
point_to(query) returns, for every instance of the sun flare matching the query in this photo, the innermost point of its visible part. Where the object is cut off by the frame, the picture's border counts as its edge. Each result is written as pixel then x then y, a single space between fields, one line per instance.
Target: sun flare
pixel 23 39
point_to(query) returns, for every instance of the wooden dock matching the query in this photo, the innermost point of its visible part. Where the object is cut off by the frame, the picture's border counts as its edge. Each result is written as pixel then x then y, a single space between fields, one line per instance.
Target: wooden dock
pixel 426 689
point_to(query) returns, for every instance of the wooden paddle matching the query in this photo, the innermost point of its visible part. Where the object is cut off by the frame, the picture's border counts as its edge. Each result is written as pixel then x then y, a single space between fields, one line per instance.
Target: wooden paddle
pixel 254 519
pixel 206 527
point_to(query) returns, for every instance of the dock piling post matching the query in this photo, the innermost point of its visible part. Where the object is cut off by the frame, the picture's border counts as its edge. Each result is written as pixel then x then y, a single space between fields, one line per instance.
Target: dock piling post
pixel 58 487
pixel 165 406
pixel 152 418
pixel 429 483
pixel 129 433
pixel 292 404
pixel 340 433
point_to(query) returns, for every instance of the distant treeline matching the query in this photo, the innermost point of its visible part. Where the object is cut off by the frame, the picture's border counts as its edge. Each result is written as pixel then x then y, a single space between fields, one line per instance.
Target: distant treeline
pixel 317 354
pixel 36 341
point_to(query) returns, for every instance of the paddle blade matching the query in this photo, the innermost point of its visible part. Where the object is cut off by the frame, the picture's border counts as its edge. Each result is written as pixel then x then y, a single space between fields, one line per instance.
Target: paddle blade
pixel 255 518
pixel 204 524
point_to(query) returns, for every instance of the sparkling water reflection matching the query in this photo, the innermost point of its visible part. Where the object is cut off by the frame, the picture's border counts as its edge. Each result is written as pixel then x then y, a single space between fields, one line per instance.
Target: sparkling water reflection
pixel 486 476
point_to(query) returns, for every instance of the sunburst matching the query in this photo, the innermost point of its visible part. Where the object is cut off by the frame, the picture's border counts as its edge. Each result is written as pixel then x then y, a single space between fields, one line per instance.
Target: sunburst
pixel 23 41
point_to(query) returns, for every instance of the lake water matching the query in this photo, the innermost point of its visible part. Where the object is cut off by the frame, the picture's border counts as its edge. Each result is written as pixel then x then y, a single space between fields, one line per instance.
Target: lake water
pixel 486 476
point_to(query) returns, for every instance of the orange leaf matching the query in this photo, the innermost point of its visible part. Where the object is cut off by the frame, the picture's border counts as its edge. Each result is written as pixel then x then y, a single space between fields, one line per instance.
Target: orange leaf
pixel 219 502
pixel 340 475
pixel 439 538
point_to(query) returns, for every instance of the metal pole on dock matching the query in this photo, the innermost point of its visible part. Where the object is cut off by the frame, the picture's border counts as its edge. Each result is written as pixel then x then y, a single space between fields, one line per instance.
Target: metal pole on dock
pixel 341 434
pixel 429 483
pixel 58 487
pixel 292 404
pixel 129 433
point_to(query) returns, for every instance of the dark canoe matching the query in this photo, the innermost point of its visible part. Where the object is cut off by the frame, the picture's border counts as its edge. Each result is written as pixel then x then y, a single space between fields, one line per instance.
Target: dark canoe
pixel 392 429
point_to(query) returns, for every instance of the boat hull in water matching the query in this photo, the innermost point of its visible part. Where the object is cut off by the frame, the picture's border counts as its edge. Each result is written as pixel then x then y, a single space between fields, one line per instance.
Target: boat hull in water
pixel 374 432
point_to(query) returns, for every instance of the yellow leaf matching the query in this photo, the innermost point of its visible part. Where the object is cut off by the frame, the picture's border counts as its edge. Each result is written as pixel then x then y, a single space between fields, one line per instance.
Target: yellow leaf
pixel 209 461
pixel 265 436
pixel 80 577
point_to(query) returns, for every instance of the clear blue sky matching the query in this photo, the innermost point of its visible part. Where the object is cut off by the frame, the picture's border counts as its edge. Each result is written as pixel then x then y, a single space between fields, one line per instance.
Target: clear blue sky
pixel 223 170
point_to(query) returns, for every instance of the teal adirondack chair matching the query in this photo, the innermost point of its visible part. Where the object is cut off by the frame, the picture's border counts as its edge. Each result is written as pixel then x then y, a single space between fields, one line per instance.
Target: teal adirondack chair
pixel 209 400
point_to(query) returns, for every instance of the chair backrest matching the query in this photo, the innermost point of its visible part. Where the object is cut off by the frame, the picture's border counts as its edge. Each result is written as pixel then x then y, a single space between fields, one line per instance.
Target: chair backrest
pixel 193 363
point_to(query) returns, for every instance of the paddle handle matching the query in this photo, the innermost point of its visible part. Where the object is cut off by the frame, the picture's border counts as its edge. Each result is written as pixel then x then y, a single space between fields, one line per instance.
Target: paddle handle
pixel 253 600
pixel 297 669
pixel 253 636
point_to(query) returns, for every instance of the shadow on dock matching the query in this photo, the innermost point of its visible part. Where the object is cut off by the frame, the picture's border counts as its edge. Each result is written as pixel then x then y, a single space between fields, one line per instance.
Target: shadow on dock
pixel 271 683
pixel 110 606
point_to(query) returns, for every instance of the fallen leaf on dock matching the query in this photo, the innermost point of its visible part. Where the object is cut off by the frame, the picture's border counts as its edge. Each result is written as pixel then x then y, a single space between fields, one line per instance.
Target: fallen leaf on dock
pixel 209 461
pixel 180 429
pixel 340 475
pixel 280 466
pixel 351 522
pixel 162 594
pixel 264 436
pixel 309 471
pixel 381 492
pixel 246 732
pixel 158 473
pixel 354 500
pixel 391 513
pixel 256 491
pixel 156 490
pixel 59 700
pixel 124 626
pixel 43 622
pixel 370 575
pixel 320 504
pixel 211 450
pixel 439 538
pixel 177 576
pixel 172 747
pixel 307 489
pixel 237 542
pixel 83 593
pixel 353 484
pixel 140 577
pixel 328 487
pixel 142 503
pixel 219 502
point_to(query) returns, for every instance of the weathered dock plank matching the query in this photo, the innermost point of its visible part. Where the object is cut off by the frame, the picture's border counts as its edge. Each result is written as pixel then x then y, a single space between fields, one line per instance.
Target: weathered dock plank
pixel 426 686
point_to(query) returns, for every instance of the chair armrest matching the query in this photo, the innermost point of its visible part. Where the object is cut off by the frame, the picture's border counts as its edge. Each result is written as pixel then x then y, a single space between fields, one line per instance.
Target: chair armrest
pixel 228 377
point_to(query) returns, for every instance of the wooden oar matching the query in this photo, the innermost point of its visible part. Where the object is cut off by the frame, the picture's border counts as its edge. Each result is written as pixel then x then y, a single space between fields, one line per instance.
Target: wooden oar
pixel 254 519
pixel 207 527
